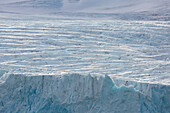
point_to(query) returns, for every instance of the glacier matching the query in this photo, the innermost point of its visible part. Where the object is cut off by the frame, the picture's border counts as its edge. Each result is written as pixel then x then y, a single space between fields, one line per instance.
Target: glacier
pixel 51 64
pixel 84 56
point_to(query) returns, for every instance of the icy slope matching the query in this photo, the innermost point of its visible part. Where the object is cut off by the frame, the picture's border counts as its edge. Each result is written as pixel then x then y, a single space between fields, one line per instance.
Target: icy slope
pixel 116 6
pixel 31 6
pixel 89 6
pixel 78 94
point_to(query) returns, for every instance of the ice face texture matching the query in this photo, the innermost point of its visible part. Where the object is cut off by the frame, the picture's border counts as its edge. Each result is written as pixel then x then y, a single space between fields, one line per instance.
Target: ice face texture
pixel 76 93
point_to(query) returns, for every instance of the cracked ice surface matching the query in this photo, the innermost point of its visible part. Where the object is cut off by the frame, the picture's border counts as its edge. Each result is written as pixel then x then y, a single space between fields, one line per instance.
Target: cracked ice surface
pixel 130 50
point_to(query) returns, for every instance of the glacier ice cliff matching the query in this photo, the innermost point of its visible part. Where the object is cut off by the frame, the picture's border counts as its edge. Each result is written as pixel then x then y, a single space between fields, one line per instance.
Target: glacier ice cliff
pixel 75 93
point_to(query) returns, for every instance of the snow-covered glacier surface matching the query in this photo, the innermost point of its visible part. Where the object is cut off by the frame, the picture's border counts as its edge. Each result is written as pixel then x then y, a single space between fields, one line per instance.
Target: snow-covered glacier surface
pixel 135 50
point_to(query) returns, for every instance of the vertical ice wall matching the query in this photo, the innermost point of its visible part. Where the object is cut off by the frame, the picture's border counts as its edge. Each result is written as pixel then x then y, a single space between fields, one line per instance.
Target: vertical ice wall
pixel 76 93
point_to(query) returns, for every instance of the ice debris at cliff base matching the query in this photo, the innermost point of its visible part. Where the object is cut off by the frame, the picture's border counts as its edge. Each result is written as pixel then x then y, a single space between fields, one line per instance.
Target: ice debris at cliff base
pixel 75 93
